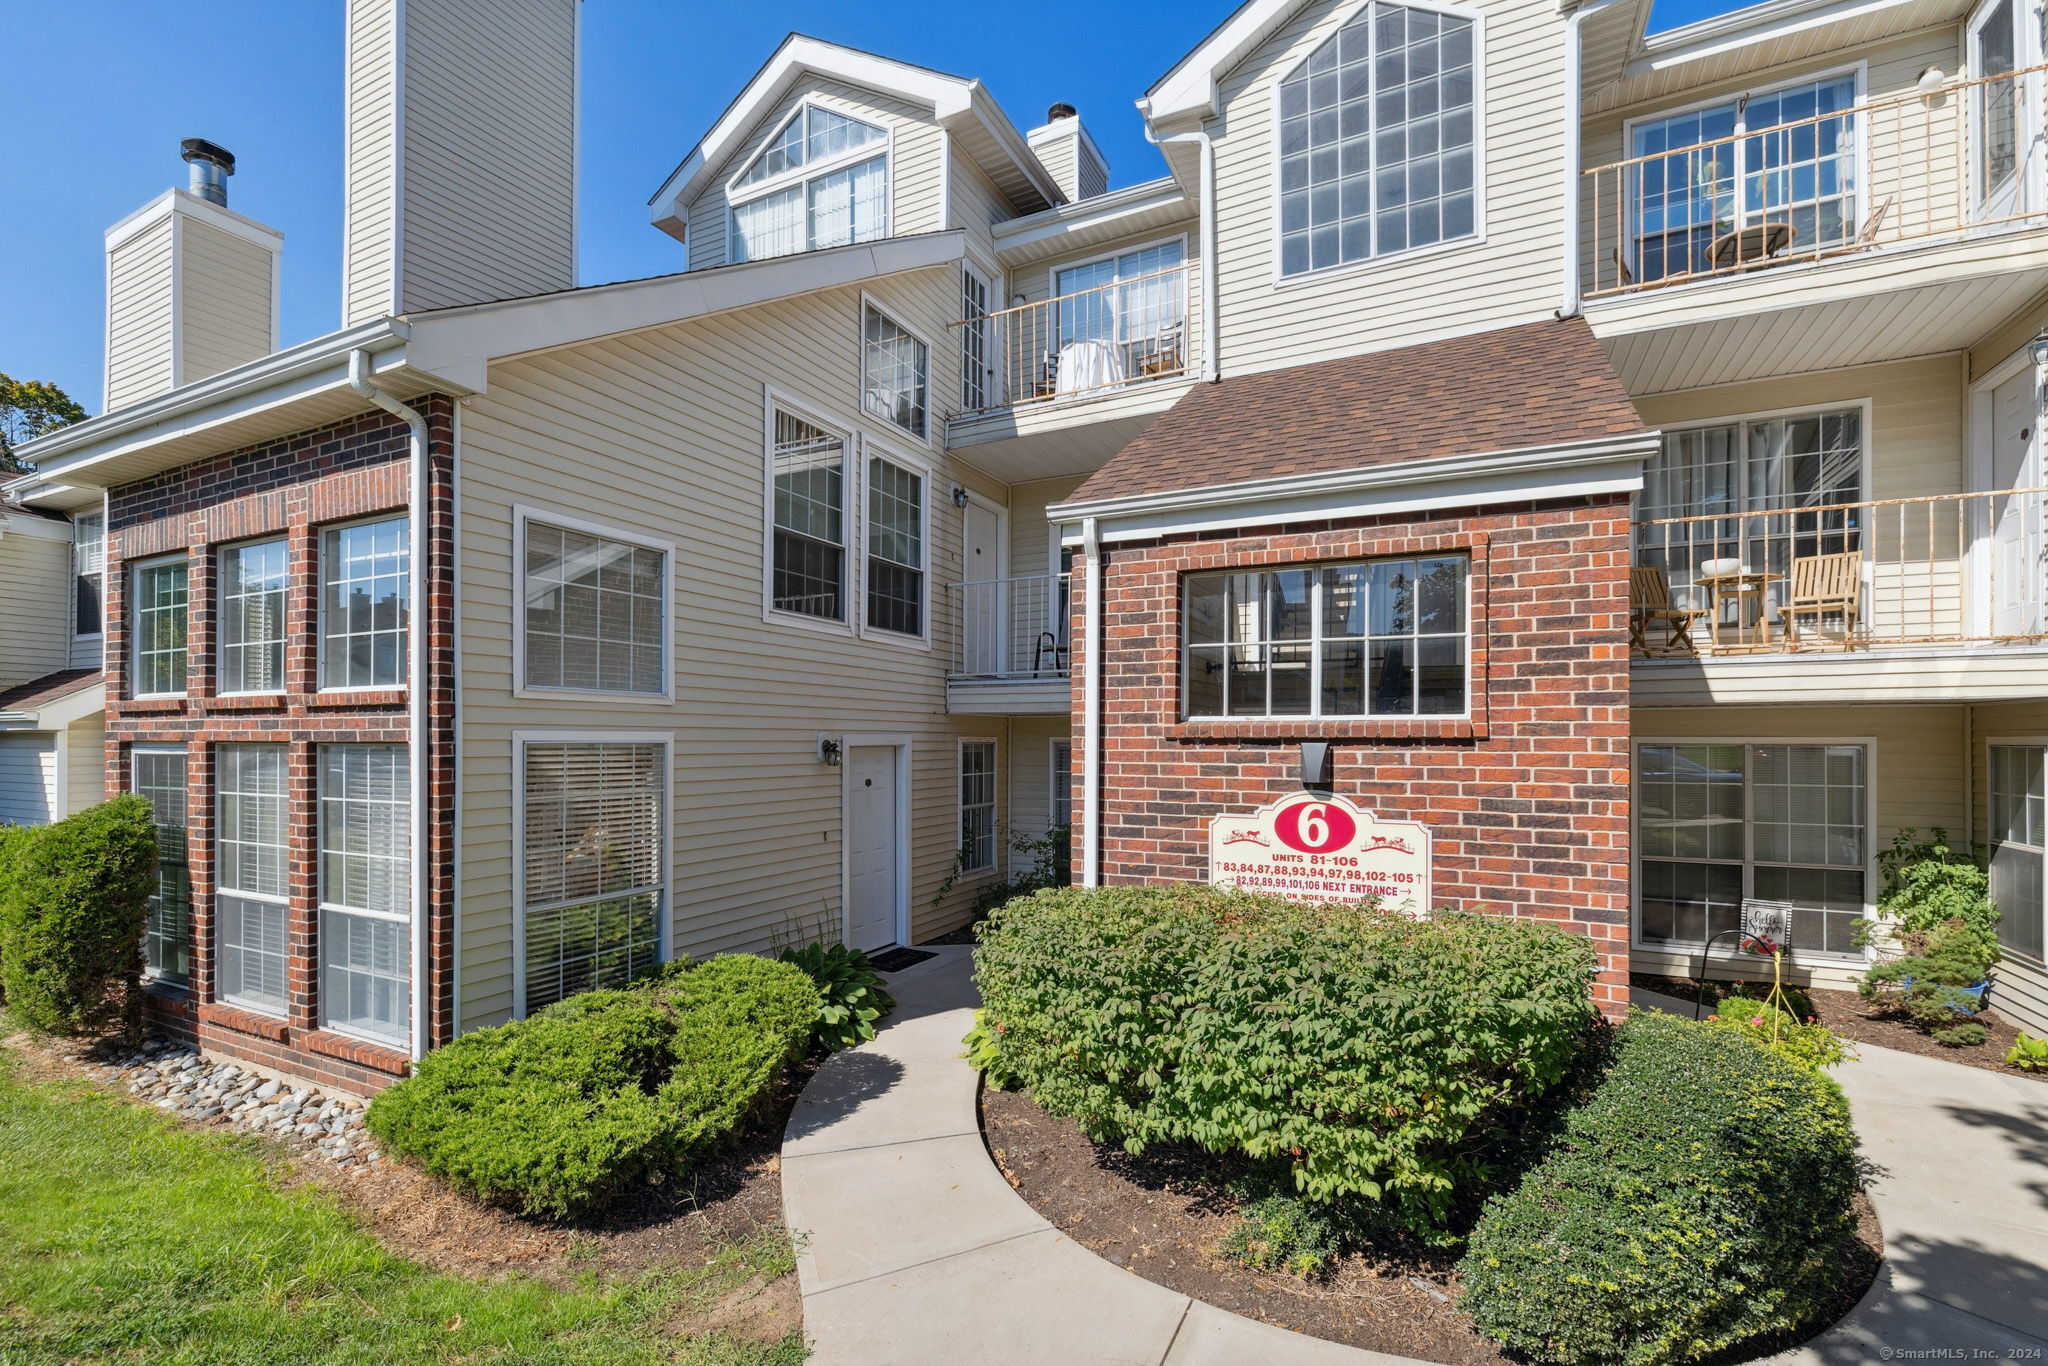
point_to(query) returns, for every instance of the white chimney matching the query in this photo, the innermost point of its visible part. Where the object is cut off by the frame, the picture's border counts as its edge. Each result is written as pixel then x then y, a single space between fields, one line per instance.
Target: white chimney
pixel 1069 155
pixel 191 285
pixel 461 153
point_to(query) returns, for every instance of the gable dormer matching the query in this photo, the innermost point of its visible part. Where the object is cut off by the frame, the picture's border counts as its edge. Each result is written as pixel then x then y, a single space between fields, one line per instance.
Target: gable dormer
pixel 821 180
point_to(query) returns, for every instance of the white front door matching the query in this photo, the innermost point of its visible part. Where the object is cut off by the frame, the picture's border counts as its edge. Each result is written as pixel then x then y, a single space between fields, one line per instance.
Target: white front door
pixel 873 877
pixel 2016 560
pixel 2005 114
pixel 983 610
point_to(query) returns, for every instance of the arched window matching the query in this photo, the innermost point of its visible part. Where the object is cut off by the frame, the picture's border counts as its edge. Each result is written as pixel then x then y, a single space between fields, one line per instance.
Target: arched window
pixel 827 179
pixel 1379 139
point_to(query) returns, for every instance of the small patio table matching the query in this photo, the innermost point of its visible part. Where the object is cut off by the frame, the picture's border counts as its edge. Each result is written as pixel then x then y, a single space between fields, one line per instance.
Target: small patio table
pixel 1749 246
pixel 1751 629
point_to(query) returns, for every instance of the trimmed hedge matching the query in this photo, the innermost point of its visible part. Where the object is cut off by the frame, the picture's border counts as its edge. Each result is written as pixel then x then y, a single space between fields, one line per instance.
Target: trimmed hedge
pixel 1373 1054
pixel 557 1112
pixel 74 898
pixel 1695 1202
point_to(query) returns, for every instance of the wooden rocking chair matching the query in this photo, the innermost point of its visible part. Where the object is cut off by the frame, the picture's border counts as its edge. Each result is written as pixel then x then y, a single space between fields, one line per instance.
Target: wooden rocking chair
pixel 1826 585
pixel 1649 603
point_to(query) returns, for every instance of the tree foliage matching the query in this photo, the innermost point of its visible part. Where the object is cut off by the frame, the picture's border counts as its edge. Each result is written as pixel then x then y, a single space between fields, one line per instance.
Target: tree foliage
pixel 30 408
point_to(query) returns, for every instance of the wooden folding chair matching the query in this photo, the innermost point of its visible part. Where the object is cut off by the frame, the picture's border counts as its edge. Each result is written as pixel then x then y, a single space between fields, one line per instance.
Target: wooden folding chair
pixel 1826 585
pixel 1649 603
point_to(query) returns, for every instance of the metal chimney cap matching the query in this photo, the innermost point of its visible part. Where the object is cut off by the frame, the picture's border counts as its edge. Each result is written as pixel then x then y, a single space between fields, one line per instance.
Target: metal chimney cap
pixel 1062 110
pixel 199 149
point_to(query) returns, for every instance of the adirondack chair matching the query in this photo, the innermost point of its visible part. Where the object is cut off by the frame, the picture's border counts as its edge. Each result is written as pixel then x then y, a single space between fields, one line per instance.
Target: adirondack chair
pixel 1822 586
pixel 1649 603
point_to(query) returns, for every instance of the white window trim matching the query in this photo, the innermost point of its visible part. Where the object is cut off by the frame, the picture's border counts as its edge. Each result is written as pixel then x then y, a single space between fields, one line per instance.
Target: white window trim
pixel 133 611
pixel 901 743
pixel 214 920
pixel 874 449
pixel 736 196
pixel 664 912
pixel 220 597
pixel 404 1039
pixel 852 537
pixel 1477 237
pixel 995 807
pixel 523 516
pixel 1868 744
pixel 320 606
pixel 1991 742
pixel 931 356
pixel 993 382
pixel 1471 634
pixel 1052 769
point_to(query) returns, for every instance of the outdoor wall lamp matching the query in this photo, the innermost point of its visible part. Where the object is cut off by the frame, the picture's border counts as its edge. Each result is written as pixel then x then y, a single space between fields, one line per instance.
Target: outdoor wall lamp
pixel 828 751
pixel 1315 765
pixel 2037 349
pixel 1931 81
pixel 959 496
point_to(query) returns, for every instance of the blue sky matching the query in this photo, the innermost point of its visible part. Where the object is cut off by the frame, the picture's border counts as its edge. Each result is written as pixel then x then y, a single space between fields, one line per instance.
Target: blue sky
pixel 93 121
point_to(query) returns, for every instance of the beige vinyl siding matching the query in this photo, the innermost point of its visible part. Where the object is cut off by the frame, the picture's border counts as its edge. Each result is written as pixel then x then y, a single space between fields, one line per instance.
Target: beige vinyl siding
pixel 141 354
pixel 917 165
pixel 28 778
pixel 1030 532
pixel 85 763
pixel 226 300
pixel 661 433
pixel 1031 740
pixel 35 608
pixel 977 207
pixel 2020 991
pixel 2009 336
pixel 1061 157
pixel 369 284
pixel 1404 299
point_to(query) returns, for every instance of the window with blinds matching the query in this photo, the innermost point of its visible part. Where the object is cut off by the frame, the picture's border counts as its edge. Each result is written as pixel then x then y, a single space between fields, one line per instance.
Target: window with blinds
pixel 2019 845
pixel 895 533
pixel 158 775
pixel 1062 782
pixel 160 625
pixel 977 805
pixel 594 858
pixel 807 466
pixel 595 612
pixel 253 579
pixel 365 891
pixel 365 604
pixel 829 188
pixel 251 876
pixel 88 569
pixel 894 371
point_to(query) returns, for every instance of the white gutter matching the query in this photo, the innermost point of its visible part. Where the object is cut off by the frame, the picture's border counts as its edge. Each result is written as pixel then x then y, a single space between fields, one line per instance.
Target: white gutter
pixel 1568 306
pixel 1211 370
pixel 415 675
pixel 1091 712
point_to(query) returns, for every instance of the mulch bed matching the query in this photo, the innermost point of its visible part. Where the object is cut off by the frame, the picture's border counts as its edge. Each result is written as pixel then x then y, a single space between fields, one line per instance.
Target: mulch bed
pixel 1851 1017
pixel 1162 1216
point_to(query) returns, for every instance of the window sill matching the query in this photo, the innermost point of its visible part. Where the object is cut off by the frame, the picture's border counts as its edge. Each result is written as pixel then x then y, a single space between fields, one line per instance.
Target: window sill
pixel 271 1027
pixel 643 699
pixel 1283 729
pixel 363 1053
pixel 358 697
pixel 134 705
pixel 245 701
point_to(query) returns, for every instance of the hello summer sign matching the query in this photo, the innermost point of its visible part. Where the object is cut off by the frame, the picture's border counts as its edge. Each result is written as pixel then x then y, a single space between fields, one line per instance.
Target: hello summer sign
pixel 1322 848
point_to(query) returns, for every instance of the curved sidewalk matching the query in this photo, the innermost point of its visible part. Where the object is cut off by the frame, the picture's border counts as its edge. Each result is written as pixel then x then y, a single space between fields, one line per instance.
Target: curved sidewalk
pixel 913 1250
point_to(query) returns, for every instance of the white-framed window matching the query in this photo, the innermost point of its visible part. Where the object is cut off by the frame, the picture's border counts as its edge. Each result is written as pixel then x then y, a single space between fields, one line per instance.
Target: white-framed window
pixel 978 383
pixel 1374 638
pixel 365 891
pixel 251 876
pixel 895 370
pixel 1061 803
pixel 1721 822
pixel 596 614
pixel 160 614
pixel 807 479
pixel 593 863
pixel 158 774
pixel 977 806
pixel 1121 317
pixel 365 604
pixel 821 181
pixel 1380 139
pixel 896 539
pixel 2019 846
pixel 88 573
pixel 253 582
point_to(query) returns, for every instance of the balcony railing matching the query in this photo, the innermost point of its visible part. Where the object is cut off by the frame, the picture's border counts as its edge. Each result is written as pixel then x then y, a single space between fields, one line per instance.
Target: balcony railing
pixel 1093 341
pixel 1896 572
pixel 1963 156
pixel 1012 629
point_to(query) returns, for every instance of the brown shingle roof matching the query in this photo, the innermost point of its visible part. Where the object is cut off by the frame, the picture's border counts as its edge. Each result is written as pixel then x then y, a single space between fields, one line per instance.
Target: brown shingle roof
pixel 49 688
pixel 1541 384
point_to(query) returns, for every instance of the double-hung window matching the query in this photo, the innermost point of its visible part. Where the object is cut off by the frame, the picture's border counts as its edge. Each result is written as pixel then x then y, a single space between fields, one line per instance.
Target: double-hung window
pixel 807 473
pixel 365 604
pixel 88 565
pixel 977 806
pixel 822 181
pixel 158 775
pixel 1721 823
pixel 1379 139
pixel 596 612
pixel 365 896
pixel 1062 783
pixel 594 864
pixel 1378 638
pixel 895 370
pixel 253 579
pixel 161 589
pixel 251 876
pixel 2019 845
pixel 896 547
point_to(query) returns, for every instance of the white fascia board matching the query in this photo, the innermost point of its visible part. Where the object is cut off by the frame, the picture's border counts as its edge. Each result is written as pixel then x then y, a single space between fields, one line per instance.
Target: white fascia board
pixel 1581 469
pixel 460 343
pixel 1765 23
pixel 1103 210
pixel 31 527
pixel 60 713
pixel 32 490
pixel 1191 87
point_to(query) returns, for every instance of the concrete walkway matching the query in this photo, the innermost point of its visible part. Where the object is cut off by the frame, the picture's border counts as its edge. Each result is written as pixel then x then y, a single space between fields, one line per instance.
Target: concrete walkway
pixel 913 1250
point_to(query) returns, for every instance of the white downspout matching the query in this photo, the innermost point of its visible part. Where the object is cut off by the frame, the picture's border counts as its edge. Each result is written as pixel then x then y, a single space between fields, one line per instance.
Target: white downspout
pixel 1211 370
pixel 1091 710
pixel 1568 306
pixel 415 675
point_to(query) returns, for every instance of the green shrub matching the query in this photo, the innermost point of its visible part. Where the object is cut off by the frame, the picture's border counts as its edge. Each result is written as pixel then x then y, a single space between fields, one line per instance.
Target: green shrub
pixel 1807 1042
pixel 1694 1202
pixel 1283 1233
pixel 1969 1034
pixel 1373 1054
pixel 73 903
pixel 851 992
pixel 1927 985
pixel 2028 1053
pixel 1929 883
pixel 554 1113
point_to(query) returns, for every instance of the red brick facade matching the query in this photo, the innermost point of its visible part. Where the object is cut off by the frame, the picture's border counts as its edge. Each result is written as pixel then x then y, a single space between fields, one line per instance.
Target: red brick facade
pixel 1527 800
pixel 295 487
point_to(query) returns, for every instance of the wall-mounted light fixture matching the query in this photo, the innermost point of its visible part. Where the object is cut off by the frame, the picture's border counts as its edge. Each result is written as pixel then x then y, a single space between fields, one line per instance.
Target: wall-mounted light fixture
pixel 1315 765
pixel 1931 81
pixel 959 496
pixel 829 752
pixel 2038 348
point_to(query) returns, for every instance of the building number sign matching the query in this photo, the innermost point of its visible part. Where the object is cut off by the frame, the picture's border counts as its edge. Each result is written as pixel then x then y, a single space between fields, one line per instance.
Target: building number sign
pixel 1322 848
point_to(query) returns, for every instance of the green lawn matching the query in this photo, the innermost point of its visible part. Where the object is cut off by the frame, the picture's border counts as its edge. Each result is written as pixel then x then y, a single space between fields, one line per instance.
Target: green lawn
pixel 127 1238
